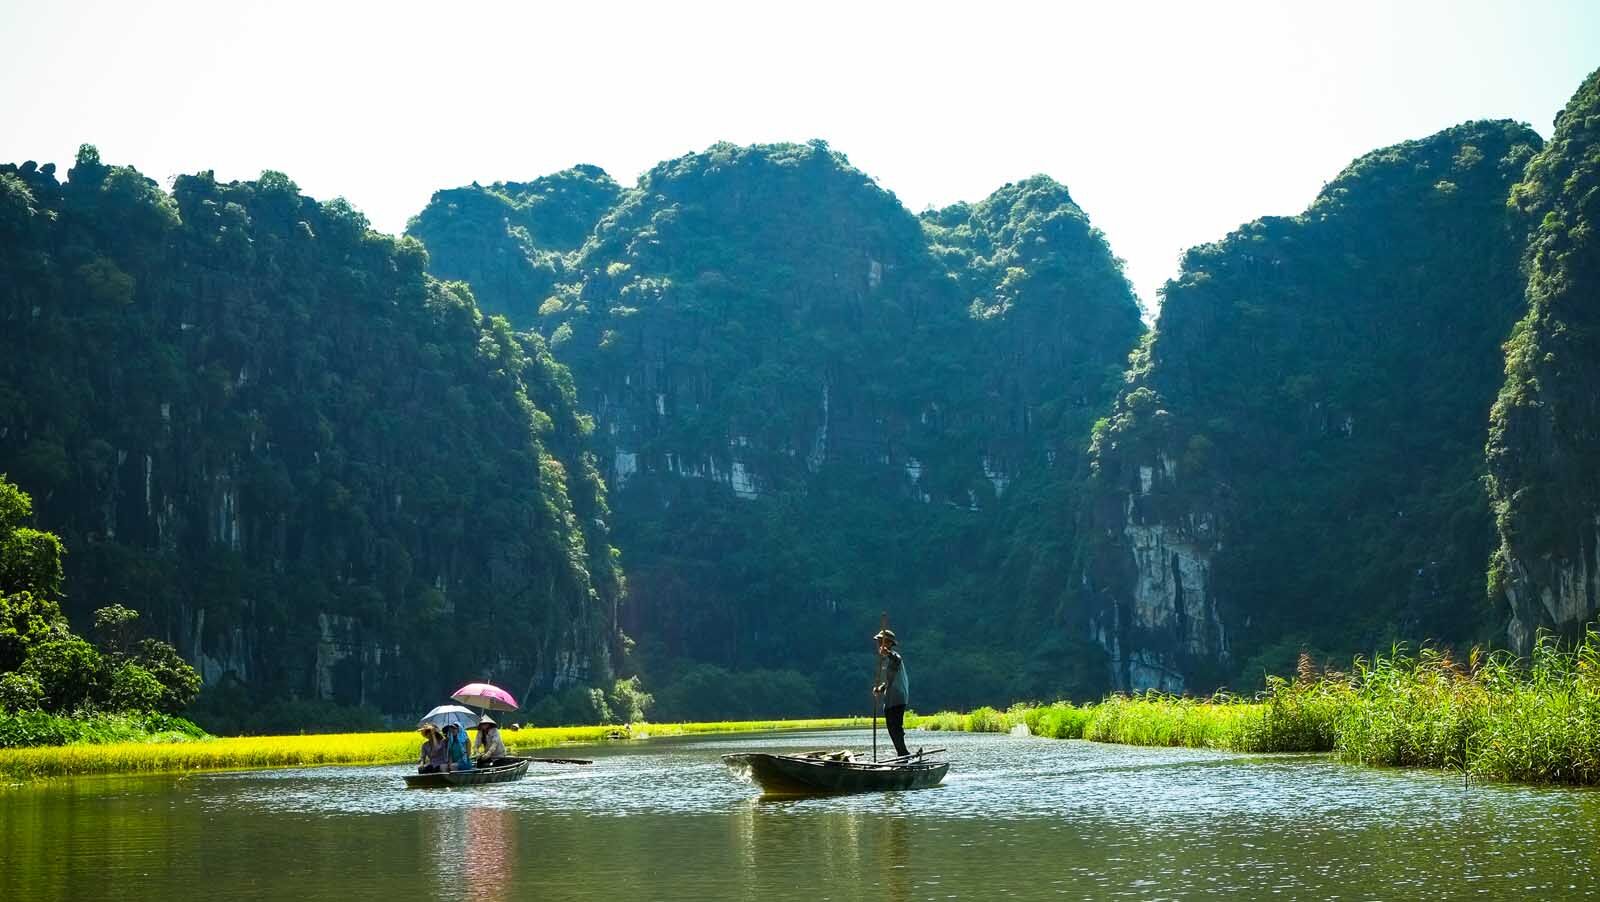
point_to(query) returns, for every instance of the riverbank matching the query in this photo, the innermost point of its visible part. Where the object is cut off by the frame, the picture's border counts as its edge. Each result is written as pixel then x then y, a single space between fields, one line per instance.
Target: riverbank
pixel 27 729
pixel 1492 717
pixel 243 752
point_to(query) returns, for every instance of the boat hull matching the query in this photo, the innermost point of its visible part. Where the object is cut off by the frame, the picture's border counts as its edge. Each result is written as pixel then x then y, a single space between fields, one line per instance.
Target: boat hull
pixel 793 775
pixel 504 771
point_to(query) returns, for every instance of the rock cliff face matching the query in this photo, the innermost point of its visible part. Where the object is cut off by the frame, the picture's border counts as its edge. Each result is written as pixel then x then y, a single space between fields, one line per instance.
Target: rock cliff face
pixel 1293 460
pixel 1544 450
pixel 815 405
pixel 316 469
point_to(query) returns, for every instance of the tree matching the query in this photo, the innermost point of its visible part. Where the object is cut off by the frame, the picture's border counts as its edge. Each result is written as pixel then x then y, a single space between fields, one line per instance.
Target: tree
pixel 43 665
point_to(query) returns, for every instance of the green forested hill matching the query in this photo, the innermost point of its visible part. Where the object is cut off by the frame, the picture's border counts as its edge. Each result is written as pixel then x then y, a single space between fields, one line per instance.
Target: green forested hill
pixel 308 463
pixel 321 471
pixel 817 406
pixel 1296 461
pixel 1544 444
pixel 511 240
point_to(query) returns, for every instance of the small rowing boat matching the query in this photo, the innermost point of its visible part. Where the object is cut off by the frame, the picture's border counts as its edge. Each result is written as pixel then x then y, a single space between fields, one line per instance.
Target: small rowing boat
pixel 503 770
pixel 819 772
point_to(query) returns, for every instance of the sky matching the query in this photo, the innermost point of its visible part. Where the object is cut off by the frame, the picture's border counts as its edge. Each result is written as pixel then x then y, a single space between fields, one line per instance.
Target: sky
pixel 1170 123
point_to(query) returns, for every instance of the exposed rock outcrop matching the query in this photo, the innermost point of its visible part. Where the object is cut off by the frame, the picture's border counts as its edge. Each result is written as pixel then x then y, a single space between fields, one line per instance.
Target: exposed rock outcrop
pixel 1544 441
pixel 1293 460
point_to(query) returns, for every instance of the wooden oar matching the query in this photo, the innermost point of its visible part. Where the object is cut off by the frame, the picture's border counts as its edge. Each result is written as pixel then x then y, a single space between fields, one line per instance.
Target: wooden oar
pixel 916 754
pixel 560 760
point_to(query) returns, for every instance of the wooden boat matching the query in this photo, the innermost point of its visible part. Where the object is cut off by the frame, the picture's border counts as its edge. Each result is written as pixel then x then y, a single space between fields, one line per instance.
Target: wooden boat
pixel 820 772
pixel 503 770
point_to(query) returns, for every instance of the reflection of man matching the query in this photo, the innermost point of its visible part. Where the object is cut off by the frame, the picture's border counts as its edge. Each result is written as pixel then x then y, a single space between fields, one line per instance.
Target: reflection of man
pixel 893 690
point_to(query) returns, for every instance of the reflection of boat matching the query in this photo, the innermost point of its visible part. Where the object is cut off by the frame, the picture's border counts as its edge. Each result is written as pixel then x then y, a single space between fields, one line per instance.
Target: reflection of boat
pixel 503 770
pixel 817 772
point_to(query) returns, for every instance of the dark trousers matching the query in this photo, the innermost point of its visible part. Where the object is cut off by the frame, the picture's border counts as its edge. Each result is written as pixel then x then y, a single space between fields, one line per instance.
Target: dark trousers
pixel 894 719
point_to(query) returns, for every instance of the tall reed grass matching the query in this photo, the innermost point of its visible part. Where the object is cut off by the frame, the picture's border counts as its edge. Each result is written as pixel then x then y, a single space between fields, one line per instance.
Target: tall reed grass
pixel 978 720
pixel 348 748
pixel 1493 716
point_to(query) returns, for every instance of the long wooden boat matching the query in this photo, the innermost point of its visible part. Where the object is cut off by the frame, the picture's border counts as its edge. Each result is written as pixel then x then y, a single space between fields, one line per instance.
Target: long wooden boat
pixel 504 770
pixel 816 773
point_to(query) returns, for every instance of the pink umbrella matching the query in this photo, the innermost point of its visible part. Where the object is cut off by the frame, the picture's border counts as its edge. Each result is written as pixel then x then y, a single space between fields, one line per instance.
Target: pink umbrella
pixel 483 695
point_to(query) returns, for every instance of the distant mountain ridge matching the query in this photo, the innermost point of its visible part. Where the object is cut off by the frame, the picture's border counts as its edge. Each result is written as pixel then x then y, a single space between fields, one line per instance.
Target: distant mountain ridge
pixel 783 404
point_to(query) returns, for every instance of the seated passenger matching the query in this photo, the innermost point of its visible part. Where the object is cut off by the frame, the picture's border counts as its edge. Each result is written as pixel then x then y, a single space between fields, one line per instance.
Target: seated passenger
pixel 435 750
pixel 490 746
pixel 459 757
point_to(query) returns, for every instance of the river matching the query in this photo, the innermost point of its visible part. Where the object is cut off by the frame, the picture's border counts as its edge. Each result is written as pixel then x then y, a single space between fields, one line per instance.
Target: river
pixel 1018 817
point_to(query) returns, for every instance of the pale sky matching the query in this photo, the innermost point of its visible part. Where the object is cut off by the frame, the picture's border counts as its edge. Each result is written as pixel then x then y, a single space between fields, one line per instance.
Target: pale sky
pixel 1171 123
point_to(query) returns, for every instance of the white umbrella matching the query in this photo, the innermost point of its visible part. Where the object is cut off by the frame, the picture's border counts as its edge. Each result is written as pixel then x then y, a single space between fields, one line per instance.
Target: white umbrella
pixel 448 714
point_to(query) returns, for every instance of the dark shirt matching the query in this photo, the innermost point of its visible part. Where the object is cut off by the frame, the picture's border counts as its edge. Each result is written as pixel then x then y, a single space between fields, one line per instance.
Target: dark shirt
pixel 898 691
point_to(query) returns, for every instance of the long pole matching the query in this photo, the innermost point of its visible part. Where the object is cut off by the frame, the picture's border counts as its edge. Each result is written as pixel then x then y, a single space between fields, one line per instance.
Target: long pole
pixel 877 677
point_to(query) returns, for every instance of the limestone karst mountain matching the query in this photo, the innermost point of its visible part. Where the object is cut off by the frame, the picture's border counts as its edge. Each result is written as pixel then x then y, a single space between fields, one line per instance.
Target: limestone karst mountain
pixel 319 471
pixel 1296 460
pixel 816 405
pixel 1544 446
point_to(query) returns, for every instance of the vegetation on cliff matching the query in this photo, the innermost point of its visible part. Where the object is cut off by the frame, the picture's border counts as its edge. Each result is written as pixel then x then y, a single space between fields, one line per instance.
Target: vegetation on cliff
pixel 512 241
pixel 1544 448
pixel 312 466
pixel 330 480
pixel 1302 433
pixel 817 406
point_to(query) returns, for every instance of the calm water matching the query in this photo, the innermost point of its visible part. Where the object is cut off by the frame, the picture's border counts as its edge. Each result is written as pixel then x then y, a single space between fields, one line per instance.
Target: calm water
pixel 1017 818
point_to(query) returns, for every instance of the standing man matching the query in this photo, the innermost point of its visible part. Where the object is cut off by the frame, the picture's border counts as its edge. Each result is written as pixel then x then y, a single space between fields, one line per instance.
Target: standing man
pixel 894 690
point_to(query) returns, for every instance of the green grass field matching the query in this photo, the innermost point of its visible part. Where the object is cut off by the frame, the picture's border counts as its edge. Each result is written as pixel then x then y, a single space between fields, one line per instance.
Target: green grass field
pixel 344 748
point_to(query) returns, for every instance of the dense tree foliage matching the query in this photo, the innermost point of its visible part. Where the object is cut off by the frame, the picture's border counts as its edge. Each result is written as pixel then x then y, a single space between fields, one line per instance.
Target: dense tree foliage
pixel 817 406
pixel 44 666
pixel 1544 447
pixel 1310 411
pixel 513 241
pixel 317 469
pixel 339 488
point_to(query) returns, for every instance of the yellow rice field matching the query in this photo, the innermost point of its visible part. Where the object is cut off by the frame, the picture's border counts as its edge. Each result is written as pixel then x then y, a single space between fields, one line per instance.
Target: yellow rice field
pixel 340 748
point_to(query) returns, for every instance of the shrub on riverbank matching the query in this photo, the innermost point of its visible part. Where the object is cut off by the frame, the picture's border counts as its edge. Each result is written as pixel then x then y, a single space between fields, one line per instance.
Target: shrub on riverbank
pixel 979 720
pixel 30 728
pixel 1154 720
pixel 1493 716
pixel 50 671
pixel 1061 720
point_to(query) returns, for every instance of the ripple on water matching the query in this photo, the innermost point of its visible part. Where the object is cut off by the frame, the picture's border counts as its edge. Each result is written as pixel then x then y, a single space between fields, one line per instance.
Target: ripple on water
pixel 1018 817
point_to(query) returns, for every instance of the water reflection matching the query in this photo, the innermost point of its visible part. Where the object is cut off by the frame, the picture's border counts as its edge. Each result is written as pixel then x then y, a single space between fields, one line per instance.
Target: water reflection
pixel 491 853
pixel 867 849
pixel 895 862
